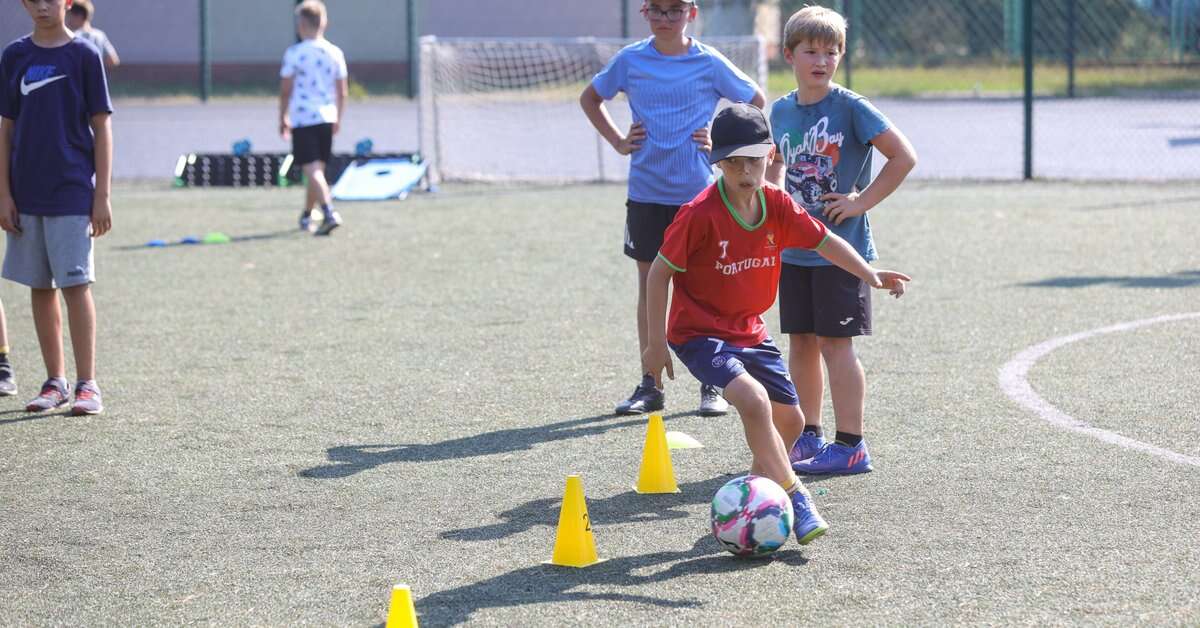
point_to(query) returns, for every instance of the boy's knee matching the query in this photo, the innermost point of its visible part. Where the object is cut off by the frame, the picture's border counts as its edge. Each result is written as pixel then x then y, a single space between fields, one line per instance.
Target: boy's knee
pixel 748 396
pixel 834 348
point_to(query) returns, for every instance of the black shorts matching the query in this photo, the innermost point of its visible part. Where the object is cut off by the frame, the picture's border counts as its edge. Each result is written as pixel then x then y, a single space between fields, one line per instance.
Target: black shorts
pixel 312 143
pixel 645 224
pixel 823 300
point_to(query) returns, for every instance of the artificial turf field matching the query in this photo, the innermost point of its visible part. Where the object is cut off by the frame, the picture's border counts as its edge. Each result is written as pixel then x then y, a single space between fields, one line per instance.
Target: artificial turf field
pixel 295 424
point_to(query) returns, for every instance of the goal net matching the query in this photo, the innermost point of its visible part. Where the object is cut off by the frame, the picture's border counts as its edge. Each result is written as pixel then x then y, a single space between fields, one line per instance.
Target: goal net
pixel 508 109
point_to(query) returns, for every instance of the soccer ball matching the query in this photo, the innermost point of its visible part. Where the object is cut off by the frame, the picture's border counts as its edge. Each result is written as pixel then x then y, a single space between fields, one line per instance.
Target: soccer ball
pixel 751 516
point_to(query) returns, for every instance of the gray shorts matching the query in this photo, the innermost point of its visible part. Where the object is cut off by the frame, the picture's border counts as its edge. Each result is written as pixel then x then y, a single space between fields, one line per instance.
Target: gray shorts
pixel 50 252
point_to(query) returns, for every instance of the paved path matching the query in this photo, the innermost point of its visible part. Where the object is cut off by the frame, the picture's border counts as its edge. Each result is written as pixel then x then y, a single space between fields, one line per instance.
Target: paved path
pixel 1136 139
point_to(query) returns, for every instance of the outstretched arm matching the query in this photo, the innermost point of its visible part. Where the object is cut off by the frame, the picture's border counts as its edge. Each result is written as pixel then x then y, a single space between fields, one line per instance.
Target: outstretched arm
pixel 838 251
pixel 657 356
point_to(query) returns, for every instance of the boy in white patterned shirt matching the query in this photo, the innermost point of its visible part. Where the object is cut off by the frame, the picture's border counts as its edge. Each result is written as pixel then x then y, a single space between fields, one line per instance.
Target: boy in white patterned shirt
pixel 312 100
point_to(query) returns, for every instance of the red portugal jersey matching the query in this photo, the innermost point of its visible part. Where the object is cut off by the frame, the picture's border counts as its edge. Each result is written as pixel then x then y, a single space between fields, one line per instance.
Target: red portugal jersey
pixel 727 271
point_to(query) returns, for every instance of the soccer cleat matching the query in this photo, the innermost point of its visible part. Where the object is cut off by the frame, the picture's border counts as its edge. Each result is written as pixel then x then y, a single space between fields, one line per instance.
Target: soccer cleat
pixel 837 459
pixel 806 447
pixel 711 401
pixel 332 221
pixel 53 395
pixel 808 524
pixel 8 383
pixel 306 223
pixel 645 398
pixel 87 399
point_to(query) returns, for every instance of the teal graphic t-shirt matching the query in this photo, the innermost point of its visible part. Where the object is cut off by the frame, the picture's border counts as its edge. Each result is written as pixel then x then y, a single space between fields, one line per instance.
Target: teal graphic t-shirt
pixel 826 148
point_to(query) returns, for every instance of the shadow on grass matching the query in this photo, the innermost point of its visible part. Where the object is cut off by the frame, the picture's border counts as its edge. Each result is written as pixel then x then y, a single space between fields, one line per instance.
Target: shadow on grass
pixel 30 416
pixel 624 507
pixel 1142 204
pixel 1182 279
pixel 540 584
pixel 350 459
pixel 252 237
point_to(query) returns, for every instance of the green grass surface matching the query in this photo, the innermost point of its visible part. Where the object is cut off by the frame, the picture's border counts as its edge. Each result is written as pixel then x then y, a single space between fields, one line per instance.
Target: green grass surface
pixel 296 424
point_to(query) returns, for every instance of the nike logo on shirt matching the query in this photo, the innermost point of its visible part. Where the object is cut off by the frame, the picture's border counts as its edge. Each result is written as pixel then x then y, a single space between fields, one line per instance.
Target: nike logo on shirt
pixel 27 88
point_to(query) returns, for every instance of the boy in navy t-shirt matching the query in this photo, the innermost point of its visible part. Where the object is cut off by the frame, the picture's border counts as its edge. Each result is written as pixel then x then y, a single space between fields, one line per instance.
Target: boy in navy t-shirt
pixel 55 181
pixel 673 83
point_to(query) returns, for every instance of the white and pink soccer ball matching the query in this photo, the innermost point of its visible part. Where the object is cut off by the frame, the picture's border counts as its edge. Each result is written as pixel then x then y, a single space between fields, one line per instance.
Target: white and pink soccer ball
pixel 751 516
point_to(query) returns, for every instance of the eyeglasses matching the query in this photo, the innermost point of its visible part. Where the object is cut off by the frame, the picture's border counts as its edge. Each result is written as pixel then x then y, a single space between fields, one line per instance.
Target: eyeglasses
pixel 674 14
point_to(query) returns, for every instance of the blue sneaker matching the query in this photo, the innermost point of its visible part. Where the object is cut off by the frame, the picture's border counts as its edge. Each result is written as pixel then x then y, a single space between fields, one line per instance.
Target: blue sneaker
pixel 837 459
pixel 808 523
pixel 806 447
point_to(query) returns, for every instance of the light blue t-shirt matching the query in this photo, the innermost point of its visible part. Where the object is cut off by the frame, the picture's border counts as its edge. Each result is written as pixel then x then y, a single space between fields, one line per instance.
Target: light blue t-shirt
pixel 826 148
pixel 671 96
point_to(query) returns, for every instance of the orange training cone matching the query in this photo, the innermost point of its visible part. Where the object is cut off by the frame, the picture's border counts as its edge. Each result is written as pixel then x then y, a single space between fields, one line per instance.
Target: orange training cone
pixel 574 545
pixel 401 613
pixel 656 474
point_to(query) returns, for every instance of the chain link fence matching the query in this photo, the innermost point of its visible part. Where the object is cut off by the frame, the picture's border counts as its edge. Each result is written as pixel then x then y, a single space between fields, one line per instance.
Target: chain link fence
pixel 1116 83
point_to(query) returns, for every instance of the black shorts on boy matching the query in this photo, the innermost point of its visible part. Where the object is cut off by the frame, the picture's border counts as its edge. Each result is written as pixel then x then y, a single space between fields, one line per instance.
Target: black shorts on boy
pixel 645 224
pixel 312 143
pixel 823 300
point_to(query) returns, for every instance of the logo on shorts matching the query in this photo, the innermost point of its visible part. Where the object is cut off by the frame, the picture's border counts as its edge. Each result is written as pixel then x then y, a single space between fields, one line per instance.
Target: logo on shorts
pixel 846 322
pixel 719 361
pixel 78 272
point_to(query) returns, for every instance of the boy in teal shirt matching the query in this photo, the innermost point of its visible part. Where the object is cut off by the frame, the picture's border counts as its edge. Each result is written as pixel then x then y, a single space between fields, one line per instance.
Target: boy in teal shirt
pixel 825 134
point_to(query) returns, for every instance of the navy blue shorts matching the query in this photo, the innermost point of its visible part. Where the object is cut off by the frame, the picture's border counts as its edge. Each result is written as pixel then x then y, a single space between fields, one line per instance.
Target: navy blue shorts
pixel 716 363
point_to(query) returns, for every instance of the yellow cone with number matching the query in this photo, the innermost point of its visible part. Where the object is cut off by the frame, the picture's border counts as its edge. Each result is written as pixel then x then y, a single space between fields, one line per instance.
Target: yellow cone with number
pixel 401 613
pixel 656 475
pixel 574 545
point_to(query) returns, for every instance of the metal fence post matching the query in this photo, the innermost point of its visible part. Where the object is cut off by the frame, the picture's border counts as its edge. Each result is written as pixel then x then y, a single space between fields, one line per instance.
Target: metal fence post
pixel 205 54
pixel 413 47
pixel 624 18
pixel 850 7
pixel 1027 52
pixel 1071 19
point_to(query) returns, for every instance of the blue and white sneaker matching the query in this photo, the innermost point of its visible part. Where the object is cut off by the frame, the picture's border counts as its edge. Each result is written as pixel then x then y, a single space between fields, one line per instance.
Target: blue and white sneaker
pixel 306 223
pixel 645 398
pixel 807 446
pixel 808 524
pixel 837 459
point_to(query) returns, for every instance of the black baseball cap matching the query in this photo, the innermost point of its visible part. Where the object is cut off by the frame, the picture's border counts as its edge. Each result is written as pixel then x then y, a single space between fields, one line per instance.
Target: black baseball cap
pixel 740 130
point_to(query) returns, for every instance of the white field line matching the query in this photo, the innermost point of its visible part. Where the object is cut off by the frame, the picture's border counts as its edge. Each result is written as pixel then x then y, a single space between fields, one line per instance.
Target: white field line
pixel 1016 386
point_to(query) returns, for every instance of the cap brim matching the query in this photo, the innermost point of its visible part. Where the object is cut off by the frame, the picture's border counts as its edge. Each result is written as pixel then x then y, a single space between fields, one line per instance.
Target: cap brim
pixel 749 150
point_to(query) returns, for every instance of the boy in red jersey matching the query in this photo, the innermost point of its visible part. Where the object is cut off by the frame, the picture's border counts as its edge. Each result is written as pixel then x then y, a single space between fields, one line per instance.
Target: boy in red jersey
pixel 722 252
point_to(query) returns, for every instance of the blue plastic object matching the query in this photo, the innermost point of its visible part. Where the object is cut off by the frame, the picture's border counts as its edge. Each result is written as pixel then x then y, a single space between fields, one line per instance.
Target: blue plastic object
pixel 363 147
pixel 156 243
pixel 241 148
pixel 189 240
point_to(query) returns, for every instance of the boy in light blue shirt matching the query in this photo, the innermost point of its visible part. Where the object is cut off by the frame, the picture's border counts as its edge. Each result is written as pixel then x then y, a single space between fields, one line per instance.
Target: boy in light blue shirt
pixel 824 135
pixel 673 83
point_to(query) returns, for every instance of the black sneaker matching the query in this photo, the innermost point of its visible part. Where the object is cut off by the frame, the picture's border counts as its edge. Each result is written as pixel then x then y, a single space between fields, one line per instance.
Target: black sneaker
pixel 711 401
pixel 645 398
pixel 332 221
pixel 8 383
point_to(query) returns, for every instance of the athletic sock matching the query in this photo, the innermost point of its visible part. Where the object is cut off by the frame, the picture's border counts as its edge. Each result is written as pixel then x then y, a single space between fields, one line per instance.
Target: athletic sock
pixel 327 208
pixel 647 380
pixel 848 439
pixel 815 430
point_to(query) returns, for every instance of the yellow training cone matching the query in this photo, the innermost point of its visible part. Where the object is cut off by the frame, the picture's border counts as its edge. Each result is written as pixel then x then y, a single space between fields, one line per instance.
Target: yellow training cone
pixel 574 545
pixel 656 474
pixel 401 613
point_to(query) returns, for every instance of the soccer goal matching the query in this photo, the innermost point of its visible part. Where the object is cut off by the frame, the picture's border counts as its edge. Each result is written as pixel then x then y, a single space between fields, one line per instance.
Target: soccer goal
pixel 508 109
